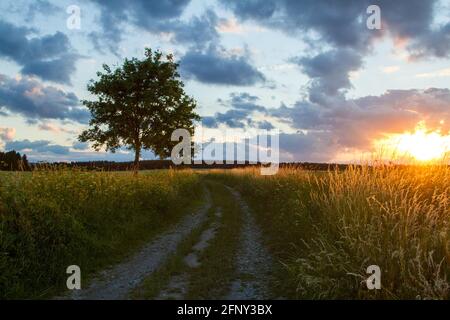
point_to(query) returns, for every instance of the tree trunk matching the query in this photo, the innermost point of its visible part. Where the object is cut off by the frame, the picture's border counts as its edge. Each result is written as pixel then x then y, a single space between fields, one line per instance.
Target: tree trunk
pixel 137 155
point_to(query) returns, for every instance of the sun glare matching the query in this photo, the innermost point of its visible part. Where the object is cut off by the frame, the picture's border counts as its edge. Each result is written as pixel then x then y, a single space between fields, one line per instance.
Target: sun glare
pixel 422 144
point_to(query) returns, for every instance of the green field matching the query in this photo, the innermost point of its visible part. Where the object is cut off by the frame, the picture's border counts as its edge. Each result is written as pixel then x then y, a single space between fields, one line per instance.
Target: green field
pixel 322 229
pixel 52 219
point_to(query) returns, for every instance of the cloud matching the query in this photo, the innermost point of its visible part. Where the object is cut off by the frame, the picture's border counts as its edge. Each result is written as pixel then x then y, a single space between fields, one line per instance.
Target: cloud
pixel 57 70
pixel 80 145
pixel 390 69
pixel 315 147
pixel 434 43
pixel 214 66
pixel 344 25
pixel 198 31
pixel 335 23
pixel 265 125
pixel 242 105
pixel 340 27
pixel 232 118
pixel 143 13
pixel 354 124
pixel 49 57
pixel 34 100
pixel 53 128
pixel 41 7
pixel 329 72
pixel 7 134
pixel 435 74
pixel 342 30
pixel 243 101
pixel 229 26
pixel 38 146
pixel 154 16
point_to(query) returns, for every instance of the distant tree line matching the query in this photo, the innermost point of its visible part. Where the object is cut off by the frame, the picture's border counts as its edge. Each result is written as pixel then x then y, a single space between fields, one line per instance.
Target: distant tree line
pixel 144 165
pixel 166 164
pixel 13 161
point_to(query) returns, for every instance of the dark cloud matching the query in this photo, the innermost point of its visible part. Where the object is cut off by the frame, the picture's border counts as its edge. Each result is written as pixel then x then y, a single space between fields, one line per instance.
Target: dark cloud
pixel 435 43
pixel 329 73
pixel 342 26
pixel 142 12
pixel 209 122
pixel 339 23
pixel 57 70
pixel 197 32
pixel 243 101
pixel 307 147
pixel 216 66
pixel 49 57
pixel 34 100
pixel 242 105
pixel 232 118
pixel 335 22
pixel 39 146
pixel 354 124
pixel 80 145
pixel 156 17
pixel 265 125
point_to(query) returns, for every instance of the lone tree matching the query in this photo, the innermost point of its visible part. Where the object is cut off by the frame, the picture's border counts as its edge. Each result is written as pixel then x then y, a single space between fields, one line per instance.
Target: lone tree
pixel 138 106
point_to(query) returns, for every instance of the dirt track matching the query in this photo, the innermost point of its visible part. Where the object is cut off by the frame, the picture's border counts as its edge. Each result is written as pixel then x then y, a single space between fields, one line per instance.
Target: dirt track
pixel 253 263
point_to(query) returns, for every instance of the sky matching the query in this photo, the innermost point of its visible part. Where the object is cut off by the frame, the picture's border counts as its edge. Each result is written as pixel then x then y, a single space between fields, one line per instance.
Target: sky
pixel 311 69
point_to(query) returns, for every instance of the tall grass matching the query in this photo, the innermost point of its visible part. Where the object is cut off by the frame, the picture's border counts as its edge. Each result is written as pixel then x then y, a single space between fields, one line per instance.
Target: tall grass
pixel 327 228
pixel 55 218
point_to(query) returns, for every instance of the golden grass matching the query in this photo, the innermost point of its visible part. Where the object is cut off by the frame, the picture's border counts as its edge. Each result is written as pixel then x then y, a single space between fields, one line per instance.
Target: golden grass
pixel 327 228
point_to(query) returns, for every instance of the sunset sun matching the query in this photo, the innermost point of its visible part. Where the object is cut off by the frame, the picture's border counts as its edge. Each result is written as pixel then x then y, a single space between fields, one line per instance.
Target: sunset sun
pixel 422 144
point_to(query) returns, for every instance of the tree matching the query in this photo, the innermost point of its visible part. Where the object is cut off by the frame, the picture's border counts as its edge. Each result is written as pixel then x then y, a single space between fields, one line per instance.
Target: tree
pixel 25 164
pixel 138 106
pixel 13 161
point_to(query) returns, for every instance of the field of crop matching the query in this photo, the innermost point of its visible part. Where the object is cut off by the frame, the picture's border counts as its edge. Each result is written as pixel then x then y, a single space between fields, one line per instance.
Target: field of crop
pixel 52 219
pixel 327 228
pixel 321 229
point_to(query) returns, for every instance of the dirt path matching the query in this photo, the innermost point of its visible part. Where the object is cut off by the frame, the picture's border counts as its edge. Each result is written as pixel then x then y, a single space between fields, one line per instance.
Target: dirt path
pixel 178 285
pixel 120 280
pixel 254 263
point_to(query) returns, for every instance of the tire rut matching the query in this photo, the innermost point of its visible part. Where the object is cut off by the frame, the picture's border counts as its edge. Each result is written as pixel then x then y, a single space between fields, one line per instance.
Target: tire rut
pixel 253 262
pixel 178 285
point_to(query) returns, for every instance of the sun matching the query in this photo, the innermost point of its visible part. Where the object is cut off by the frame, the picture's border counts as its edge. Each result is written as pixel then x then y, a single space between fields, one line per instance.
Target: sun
pixel 422 144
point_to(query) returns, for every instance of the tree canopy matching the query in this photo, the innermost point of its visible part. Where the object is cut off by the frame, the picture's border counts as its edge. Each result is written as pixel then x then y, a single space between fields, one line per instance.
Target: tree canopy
pixel 139 105
pixel 13 161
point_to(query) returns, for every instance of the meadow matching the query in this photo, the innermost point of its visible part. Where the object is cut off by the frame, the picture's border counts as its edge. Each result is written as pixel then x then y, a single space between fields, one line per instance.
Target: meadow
pixel 50 219
pixel 323 228
pixel 327 228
